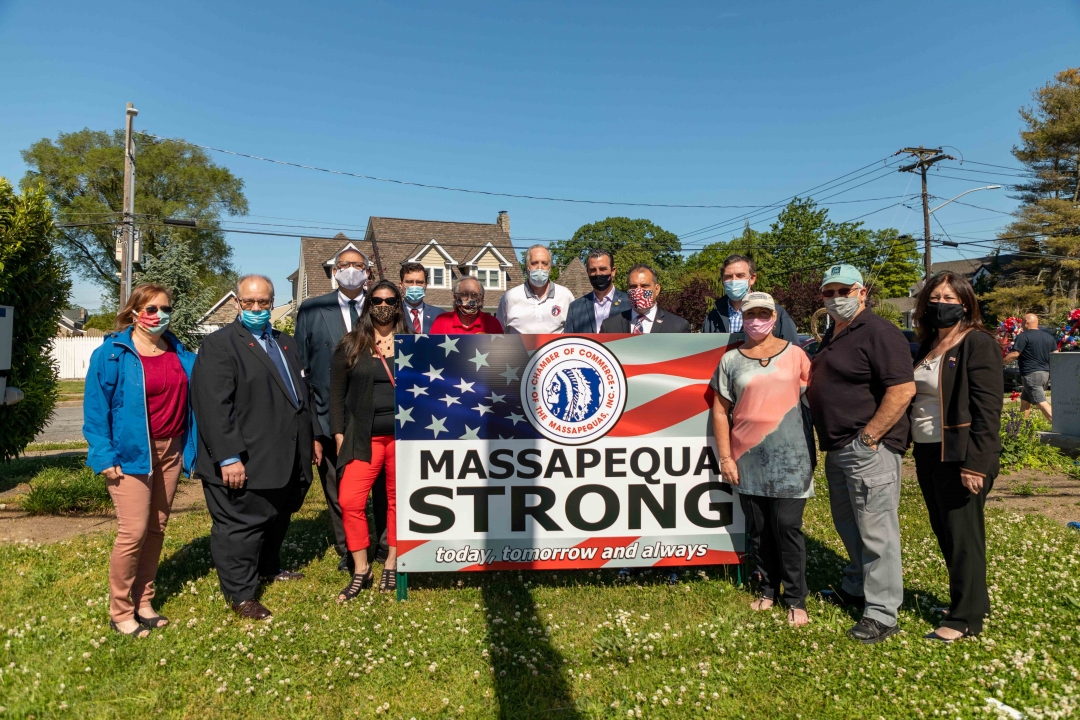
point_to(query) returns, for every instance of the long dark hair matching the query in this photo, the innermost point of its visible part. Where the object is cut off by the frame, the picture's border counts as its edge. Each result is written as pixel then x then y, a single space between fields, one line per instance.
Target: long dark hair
pixel 360 341
pixel 972 319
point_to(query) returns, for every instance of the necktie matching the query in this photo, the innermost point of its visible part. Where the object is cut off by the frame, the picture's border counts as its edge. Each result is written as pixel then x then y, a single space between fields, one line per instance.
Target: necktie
pixel 416 321
pixel 639 325
pixel 279 362
pixel 353 315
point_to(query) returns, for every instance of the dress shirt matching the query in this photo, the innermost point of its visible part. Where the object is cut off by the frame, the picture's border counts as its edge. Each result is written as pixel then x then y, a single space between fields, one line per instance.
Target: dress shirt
pixel 602 307
pixel 343 303
pixel 650 317
pixel 734 318
pixel 419 310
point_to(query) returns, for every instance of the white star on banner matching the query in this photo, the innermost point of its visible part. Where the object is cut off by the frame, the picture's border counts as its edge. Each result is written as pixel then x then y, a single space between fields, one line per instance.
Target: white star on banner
pixel 482 409
pixel 420 337
pixel 470 433
pixel 480 360
pixel 511 374
pixel 402 361
pixel 449 400
pixel 449 345
pixel 464 387
pixel 494 398
pixel 437 426
pixel 516 418
pixel 416 390
pixel 404 416
pixel 433 373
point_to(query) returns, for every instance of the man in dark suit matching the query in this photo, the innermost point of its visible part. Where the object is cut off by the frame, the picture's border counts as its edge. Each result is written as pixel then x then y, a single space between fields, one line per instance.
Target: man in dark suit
pixel 738 274
pixel 321 322
pixel 588 313
pixel 645 316
pixel 413 287
pixel 256 427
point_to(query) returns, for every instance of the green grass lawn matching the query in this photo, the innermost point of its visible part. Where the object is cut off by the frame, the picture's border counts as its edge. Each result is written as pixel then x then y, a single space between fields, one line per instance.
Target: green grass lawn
pixel 571 644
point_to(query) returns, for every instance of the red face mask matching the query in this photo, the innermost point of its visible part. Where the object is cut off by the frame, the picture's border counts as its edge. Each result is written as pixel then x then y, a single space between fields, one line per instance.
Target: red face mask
pixel 641 298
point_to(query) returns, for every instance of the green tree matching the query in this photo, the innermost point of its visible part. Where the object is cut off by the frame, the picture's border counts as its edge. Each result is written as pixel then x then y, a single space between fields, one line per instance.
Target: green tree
pixel 172 269
pixel 616 233
pixel 34 281
pixel 83 174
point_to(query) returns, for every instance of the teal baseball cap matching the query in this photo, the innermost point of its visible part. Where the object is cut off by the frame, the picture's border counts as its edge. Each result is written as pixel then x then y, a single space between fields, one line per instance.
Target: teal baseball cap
pixel 844 274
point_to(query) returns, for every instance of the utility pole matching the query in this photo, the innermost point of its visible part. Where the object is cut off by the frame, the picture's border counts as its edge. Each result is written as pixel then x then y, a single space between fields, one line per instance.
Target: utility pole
pixel 927 157
pixel 127 236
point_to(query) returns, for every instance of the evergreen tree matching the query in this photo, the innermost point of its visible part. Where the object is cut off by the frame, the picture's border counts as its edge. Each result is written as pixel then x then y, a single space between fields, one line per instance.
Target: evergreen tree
pixel 172 268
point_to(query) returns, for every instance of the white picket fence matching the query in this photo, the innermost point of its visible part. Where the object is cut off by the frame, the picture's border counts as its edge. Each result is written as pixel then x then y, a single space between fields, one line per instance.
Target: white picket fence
pixel 72 355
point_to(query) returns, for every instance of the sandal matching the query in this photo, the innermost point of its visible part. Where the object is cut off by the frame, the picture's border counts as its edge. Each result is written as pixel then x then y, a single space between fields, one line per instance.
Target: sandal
pixel 137 633
pixel 759 604
pixel 793 621
pixel 152 623
pixel 359 582
pixel 388 580
pixel 932 635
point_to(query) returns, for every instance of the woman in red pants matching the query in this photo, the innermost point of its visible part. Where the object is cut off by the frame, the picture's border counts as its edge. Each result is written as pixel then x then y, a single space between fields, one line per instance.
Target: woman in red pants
pixel 362 413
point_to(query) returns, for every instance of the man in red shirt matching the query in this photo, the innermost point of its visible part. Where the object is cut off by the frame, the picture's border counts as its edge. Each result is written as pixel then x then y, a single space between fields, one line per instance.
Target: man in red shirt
pixel 467 318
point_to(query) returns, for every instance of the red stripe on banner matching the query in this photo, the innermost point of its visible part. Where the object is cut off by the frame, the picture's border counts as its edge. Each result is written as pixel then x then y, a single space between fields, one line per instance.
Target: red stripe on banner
pixel 595 562
pixel 711 557
pixel 664 411
pixel 698 367
pixel 404 546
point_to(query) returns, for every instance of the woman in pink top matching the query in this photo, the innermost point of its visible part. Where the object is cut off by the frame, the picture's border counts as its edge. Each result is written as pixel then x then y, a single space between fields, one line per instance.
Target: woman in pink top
pixel 765 441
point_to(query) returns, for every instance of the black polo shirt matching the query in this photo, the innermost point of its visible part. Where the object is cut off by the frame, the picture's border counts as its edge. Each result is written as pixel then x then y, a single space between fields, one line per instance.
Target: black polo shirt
pixel 848 378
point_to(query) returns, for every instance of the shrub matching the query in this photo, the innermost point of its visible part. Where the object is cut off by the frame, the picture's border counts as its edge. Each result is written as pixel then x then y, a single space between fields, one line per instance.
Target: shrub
pixel 1021 446
pixel 58 491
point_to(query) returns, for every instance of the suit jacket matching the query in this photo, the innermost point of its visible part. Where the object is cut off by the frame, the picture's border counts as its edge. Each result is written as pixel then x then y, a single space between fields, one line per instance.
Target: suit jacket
pixel 243 408
pixel 580 318
pixel 319 328
pixel 717 322
pixel 430 313
pixel 665 322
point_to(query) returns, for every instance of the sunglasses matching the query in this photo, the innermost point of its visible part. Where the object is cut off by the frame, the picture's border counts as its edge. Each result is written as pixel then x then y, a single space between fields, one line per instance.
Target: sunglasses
pixel 153 309
pixel 391 301
pixel 842 292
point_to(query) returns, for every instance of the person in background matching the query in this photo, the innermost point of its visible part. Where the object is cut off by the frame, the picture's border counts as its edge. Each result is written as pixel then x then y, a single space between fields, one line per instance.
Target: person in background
pixel 739 274
pixel 321 322
pixel 413 287
pixel 861 384
pixel 256 438
pixel 766 447
pixel 467 317
pixel 362 411
pixel 644 315
pixel 1032 352
pixel 588 313
pixel 537 306
pixel 138 423
pixel 956 424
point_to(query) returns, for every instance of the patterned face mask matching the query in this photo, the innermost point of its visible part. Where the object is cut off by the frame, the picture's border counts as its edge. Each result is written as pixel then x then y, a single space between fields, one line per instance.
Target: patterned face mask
pixel 383 314
pixel 641 298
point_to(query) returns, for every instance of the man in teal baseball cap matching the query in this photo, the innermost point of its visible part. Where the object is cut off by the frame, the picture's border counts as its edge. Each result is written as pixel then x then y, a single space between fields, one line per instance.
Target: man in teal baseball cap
pixel 861 385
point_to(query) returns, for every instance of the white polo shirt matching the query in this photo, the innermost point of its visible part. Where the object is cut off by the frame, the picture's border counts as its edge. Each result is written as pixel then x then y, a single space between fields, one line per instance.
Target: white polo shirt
pixel 522 312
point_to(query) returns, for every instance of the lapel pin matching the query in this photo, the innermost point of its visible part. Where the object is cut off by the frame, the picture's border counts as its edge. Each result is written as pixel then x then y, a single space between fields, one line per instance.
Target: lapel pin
pixel 952 363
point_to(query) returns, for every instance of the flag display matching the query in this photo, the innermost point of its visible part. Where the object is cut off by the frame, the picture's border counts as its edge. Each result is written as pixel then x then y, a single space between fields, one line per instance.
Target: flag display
pixel 560 451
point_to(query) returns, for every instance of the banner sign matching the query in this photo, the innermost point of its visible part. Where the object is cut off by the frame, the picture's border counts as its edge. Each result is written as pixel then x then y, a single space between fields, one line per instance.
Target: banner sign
pixel 560 452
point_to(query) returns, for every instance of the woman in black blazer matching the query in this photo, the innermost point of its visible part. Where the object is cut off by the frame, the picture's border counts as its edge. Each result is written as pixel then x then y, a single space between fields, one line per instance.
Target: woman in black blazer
pixel 362 410
pixel 955 425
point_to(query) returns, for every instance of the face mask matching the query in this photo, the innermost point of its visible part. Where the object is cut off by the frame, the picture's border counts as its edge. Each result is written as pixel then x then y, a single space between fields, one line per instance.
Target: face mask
pixel 758 328
pixel 641 299
pixel 383 314
pixel 468 307
pixel 600 282
pixel 842 309
pixel 414 294
pixel 254 320
pixel 154 324
pixel 351 278
pixel 736 289
pixel 943 315
pixel 539 278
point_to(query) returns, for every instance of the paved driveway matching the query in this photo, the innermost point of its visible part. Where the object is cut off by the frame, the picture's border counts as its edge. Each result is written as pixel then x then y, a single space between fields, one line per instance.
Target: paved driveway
pixel 64 426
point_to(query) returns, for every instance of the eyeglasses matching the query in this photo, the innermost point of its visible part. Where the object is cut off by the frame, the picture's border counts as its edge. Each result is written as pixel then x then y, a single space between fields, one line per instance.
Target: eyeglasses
pixel 252 304
pixel 842 292
pixel 468 296
pixel 359 265
pixel 153 309
pixel 391 301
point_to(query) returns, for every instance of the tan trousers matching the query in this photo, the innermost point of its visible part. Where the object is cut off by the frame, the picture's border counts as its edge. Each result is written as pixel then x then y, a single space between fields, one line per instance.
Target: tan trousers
pixel 142 505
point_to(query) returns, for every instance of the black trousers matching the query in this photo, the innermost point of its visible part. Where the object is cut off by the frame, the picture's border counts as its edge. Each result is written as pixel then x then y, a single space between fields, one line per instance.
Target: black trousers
pixel 249 527
pixel 958 521
pixel 776 548
pixel 328 475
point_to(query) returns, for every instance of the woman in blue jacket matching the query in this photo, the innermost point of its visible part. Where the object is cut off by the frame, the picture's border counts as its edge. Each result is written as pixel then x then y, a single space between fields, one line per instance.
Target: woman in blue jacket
pixel 138 422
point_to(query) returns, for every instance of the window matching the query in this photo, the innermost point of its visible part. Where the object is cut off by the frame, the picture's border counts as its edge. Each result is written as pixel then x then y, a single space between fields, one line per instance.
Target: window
pixel 436 276
pixel 488 278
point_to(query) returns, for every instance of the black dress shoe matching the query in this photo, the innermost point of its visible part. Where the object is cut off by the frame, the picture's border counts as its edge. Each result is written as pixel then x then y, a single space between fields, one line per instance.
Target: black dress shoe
pixel 345 564
pixel 252 610
pixel 841 598
pixel 282 576
pixel 869 631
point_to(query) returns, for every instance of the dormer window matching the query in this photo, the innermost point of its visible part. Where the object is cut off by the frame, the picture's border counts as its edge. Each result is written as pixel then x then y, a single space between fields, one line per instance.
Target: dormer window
pixel 489 266
pixel 436 276
pixel 437 264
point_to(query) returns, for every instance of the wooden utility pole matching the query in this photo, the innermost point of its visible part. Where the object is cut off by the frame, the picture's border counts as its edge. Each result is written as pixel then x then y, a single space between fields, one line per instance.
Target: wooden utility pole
pixel 927 157
pixel 127 236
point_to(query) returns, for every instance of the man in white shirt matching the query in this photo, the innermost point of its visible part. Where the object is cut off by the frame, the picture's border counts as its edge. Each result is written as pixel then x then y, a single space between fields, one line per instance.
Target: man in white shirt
pixel 644 316
pixel 537 306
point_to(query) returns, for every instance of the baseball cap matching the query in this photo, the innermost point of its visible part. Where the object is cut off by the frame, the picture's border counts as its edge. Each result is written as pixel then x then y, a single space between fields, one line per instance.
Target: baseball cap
pixel 844 274
pixel 758 300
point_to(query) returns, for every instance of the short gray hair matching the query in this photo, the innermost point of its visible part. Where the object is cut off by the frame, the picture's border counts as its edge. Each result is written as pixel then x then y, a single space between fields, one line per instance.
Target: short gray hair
pixel 528 253
pixel 244 278
pixel 463 278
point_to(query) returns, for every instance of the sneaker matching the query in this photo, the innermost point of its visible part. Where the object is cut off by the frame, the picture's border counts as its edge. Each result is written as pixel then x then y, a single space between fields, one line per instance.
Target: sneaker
pixel 842 598
pixel 869 631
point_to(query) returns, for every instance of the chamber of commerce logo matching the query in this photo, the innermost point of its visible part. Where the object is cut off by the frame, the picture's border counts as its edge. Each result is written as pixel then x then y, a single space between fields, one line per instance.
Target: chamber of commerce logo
pixel 573 391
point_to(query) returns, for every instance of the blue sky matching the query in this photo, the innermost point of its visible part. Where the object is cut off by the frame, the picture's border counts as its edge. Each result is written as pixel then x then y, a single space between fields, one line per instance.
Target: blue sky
pixel 681 103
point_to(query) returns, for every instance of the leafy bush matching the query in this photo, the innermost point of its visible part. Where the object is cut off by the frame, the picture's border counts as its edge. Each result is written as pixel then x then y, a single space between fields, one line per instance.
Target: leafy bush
pixel 1021 446
pixel 58 491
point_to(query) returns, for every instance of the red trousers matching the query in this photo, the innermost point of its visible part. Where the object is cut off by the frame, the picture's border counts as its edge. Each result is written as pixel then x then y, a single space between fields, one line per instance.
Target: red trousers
pixel 355 486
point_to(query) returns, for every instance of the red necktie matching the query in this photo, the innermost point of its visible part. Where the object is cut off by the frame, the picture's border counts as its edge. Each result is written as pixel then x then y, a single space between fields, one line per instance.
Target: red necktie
pixel 639 325
pixel 416 321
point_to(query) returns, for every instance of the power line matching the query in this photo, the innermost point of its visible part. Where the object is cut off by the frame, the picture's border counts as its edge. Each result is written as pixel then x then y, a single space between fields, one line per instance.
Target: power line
pixel 1003 167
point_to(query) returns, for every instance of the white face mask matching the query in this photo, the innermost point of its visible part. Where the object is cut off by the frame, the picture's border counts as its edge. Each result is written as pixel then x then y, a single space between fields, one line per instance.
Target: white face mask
pixel 842 309
pixel 351 278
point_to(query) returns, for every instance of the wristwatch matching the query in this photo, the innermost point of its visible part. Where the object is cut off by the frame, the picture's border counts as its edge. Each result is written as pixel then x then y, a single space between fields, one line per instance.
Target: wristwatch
pixel 867 439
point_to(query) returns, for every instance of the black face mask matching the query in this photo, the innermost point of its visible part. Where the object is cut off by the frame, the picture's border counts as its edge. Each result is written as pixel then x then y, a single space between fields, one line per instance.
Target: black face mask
pixel 943 315
pixel 600 282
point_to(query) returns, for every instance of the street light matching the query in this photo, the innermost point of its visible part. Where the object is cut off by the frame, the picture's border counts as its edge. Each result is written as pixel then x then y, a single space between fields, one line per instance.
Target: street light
pixel 988 187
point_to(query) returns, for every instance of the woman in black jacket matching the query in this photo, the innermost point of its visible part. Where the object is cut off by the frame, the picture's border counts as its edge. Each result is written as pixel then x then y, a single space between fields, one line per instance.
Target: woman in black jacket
pixel 362 410
pixel 955 424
